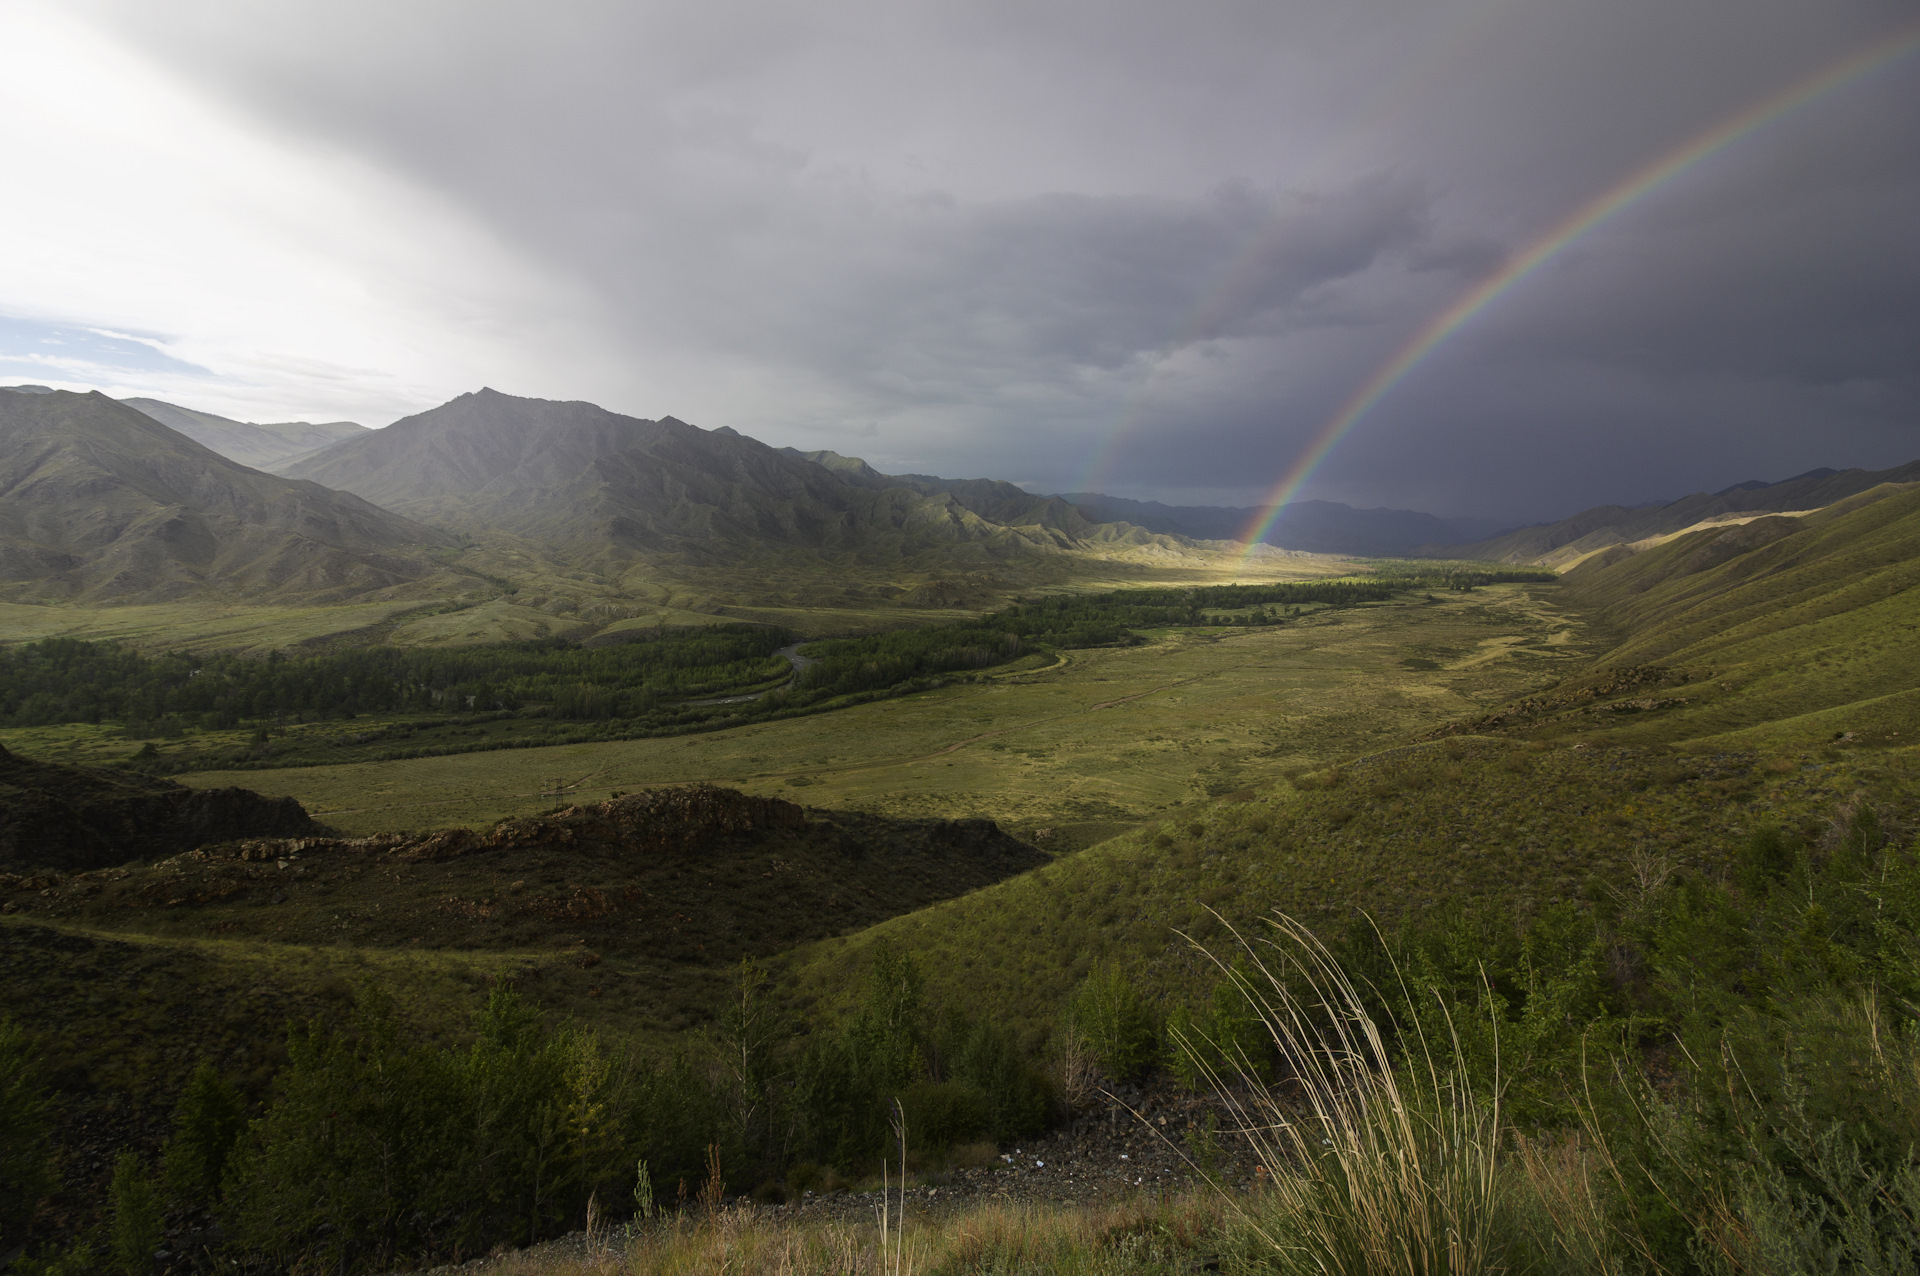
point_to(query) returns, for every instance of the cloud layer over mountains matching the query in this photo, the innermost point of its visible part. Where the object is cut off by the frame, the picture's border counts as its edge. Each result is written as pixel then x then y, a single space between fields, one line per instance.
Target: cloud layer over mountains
pixel 1139 248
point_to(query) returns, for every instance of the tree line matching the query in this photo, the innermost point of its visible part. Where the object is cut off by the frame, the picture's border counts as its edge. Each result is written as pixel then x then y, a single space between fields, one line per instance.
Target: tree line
pixel 73 680
pixel 654 681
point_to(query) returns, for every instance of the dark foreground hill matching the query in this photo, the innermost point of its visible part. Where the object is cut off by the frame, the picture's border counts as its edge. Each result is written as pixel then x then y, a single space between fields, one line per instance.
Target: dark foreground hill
pixel 101 503
pixel 1552 544
pixel 260 445
pixel 71 819
pixel 697 876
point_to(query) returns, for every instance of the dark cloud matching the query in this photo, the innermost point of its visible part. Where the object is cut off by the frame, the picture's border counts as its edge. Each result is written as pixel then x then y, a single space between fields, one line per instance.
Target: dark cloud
pixel 996 237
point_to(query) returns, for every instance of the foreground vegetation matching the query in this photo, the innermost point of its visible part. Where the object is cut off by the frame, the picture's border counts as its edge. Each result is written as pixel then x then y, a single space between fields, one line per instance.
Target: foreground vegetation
pixel 1697 1073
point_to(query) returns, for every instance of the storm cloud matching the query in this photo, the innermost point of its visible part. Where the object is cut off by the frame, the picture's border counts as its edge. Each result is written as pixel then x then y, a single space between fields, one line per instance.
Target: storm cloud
pixel 1149 248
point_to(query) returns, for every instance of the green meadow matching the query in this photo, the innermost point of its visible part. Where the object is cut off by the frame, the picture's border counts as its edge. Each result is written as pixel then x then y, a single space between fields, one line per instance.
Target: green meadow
pixel 1097 739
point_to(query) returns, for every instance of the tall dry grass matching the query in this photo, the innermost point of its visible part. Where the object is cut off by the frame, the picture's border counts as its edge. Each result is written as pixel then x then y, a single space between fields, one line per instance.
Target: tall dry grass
pixel 1375 1169
pixel 1144 1237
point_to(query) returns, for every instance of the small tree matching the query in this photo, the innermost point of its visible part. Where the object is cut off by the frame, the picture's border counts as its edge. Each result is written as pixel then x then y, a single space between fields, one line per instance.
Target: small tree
pixel 206 1122
pixel 1115 1020
pixel 135 1230
pixel 25 1135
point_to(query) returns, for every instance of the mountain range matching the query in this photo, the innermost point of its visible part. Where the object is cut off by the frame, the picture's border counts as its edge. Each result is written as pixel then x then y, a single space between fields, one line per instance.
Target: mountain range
pixel 145 501
pixel 1567 542
pixel 105 501
pixel 571 473
pixel 262 446
pixel 1317 527
pixel 99 502
pixel 712 519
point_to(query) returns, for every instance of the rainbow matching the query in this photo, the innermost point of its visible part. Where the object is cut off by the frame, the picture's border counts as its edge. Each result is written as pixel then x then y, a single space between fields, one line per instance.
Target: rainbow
pixel 1218 300
pixel 1576 224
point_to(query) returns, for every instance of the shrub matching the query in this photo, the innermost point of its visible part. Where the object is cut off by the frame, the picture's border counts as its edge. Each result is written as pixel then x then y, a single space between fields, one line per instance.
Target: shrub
pixel 25 1132
pixel 346 1166
pixel 986 1057
pixel 940 1114
pixel 1225 1035
pixel 206 1122
pixel 137 1219
pixel 1108 1011
pixel 848 1079
pixel 378 1152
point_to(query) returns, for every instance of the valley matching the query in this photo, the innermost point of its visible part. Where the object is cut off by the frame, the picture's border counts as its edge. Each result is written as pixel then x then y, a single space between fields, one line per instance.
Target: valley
pixel 1100 739
pixel 530 794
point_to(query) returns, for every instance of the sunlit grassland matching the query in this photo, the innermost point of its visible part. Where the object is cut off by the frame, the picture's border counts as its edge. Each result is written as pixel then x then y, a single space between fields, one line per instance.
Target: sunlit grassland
pixel 1441 824
pixel 1104 738
pixel 511 591
pixel 1793 643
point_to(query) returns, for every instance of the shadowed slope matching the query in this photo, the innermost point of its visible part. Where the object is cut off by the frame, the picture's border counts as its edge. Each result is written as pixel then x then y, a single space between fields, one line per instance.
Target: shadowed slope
pixel 99 502
pixel 668 884
pixel 71 818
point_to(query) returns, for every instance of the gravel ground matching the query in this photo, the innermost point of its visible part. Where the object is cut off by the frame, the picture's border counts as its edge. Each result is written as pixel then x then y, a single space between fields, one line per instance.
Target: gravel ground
pixel 1103 1154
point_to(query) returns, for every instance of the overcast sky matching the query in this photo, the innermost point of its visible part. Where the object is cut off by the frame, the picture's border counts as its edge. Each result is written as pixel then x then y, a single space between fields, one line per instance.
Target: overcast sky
pixel 1149 248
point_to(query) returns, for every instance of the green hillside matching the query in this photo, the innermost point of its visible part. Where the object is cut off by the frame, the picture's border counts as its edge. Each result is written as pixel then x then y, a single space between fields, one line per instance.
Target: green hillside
pixel 1570 539
pixel 1788 632
pixel 1403 835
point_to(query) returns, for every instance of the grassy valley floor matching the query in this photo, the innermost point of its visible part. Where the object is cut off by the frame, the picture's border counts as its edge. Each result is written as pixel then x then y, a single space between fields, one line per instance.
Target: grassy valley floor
pixel 1103 739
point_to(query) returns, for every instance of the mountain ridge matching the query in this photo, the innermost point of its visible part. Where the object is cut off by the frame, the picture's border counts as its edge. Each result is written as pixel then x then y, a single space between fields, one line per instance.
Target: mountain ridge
pixel 569 472
pixel 1600 528
pixel 99 502
pixel 1317 527
pixel 260 446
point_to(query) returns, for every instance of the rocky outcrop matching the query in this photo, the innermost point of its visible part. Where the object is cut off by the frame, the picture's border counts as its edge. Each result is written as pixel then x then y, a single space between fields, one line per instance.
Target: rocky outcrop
pixel 672 877
pixel 659 821
pixel 71 819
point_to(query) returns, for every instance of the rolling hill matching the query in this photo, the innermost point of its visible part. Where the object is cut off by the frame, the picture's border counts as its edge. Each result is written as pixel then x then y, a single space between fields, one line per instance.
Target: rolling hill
pixel 101 503
pixel 1779 632
pixel 1567 541
pixel 261 446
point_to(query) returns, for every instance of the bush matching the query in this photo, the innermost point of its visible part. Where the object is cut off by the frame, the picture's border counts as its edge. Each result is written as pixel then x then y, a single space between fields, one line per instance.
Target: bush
pixel 1224 1037
pixel 137 1219
pixel 1108 1011
pixel 377 1152
pixel 847 1079
pixel 206 1123
pixel 942 1113
pixel 986 1057
pixel 26 1147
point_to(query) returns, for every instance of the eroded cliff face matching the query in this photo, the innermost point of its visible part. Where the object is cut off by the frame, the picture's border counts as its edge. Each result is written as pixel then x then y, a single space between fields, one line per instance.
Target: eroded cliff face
pixel 72 819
